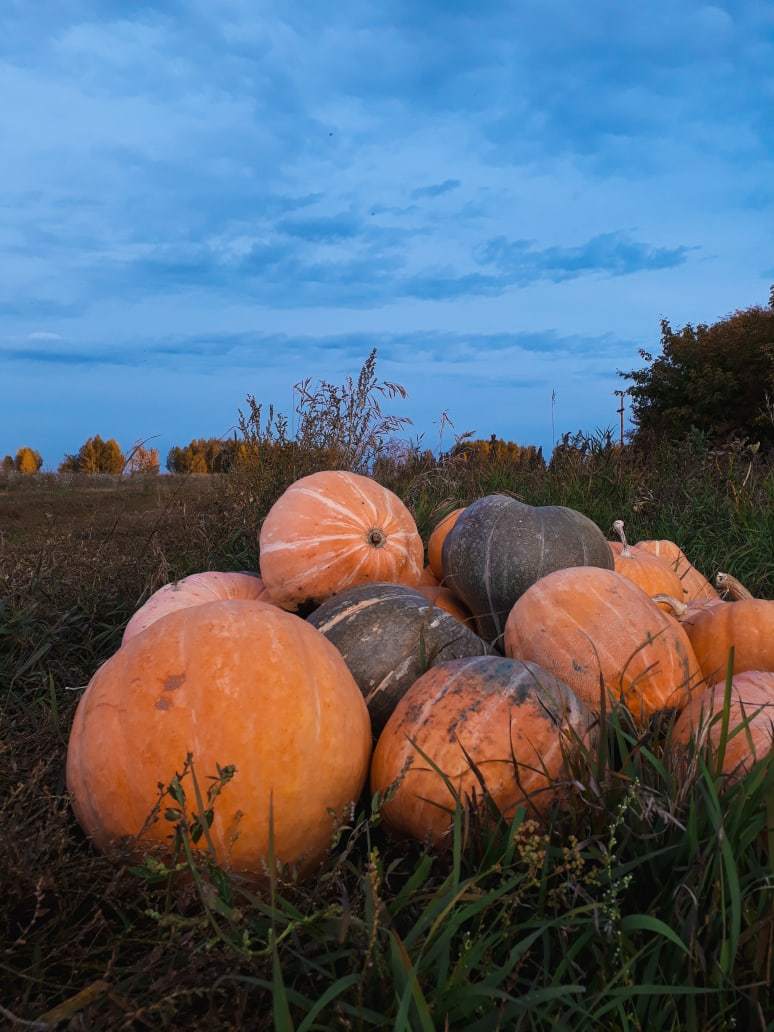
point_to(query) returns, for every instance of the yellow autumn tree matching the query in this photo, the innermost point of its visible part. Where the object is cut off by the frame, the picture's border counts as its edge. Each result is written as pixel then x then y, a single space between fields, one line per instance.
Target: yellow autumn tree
pixel 28 461
pixel 143 460
pixel 95 456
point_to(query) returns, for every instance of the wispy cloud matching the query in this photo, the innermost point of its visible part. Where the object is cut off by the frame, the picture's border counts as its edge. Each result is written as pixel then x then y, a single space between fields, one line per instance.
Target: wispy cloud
pixel 436 189
pixel 255 350
pixel 615 254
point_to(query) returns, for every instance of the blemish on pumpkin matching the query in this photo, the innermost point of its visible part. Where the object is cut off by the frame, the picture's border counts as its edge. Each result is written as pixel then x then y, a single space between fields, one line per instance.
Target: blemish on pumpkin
pixel 162 703
pixel 462 717
pixel 173 682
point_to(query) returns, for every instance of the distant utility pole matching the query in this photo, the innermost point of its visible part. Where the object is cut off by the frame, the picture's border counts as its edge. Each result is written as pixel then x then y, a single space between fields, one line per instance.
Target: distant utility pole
pixel 553 427
pixel 620 411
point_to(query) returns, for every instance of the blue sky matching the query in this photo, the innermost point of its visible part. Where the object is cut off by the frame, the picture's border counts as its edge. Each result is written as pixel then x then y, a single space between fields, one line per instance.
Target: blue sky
pixel 203 199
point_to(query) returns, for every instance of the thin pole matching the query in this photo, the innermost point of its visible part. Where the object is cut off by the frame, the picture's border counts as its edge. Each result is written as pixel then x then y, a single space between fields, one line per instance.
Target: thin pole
pixel 620 411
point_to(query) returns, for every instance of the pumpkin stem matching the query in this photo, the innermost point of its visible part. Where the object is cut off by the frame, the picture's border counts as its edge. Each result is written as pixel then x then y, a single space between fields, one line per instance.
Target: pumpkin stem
pixel 376 537
pixel 618 527
pixel 730 586
pixel 680 609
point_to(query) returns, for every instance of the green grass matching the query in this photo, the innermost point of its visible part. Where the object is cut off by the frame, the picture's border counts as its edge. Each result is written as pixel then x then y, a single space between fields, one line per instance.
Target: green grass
pixel 647 903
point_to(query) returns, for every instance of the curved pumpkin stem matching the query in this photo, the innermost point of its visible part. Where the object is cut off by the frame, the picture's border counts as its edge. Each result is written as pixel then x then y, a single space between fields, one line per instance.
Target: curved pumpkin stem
pixel 680 609
pixel 732 587
pixel 618 527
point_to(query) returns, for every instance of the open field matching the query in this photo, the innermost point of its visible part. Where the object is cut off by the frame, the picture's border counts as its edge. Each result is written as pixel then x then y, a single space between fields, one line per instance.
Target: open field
pixel 647 905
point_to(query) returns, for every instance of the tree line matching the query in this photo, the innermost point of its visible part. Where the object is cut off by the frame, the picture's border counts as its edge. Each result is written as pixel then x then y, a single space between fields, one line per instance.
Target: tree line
pixel 97 455
pixel 94 456
pixel 715 378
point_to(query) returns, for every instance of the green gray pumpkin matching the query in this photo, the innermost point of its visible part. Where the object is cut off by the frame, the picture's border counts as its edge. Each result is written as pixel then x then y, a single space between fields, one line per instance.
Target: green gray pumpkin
pixel 389 635
pixel 500 547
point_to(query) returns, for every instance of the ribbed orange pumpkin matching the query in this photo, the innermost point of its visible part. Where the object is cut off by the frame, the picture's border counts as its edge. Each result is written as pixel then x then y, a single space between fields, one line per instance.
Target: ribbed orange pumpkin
pixel 582 622
pixel 335 530
pixel 234 682
pixel 436 540
pixel 195 590
pixel 751 720
pixel 496 710
pixel 748 625
pixel 646 571
pixel 696 587
pixel 445 599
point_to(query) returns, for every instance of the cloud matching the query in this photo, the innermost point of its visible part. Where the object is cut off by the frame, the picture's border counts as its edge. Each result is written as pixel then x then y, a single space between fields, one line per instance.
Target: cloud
pixel 32 307
pixel 47 356
pixel 615 254
pixel 436 189
pixel 256 350
pixel 347 261
pixel 324 229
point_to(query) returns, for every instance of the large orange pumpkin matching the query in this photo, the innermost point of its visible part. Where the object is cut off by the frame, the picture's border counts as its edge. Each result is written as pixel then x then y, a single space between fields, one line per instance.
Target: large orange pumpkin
pixel 436 540
pixel 335 530
pixel 750 725
pixel 195 590
pixel 585 622
pixel 696 587
pixel 234 682
pixel 748 625
pixel 515 721
pixel 646 571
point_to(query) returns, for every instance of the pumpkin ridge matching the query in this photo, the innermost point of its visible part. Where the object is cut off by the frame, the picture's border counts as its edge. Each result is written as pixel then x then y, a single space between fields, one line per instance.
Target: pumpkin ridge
pixel 487 570
pixel 279 546
pixel 352 577
pixel 353 484
pixel 389 677
pixel 358 607
pixel 327 565
pixel 541 560
pixel 330 503
pixel 579 625
pixel 583 546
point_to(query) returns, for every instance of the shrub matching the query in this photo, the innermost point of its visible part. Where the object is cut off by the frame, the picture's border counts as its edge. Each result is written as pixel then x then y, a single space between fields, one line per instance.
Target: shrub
pixel 716 378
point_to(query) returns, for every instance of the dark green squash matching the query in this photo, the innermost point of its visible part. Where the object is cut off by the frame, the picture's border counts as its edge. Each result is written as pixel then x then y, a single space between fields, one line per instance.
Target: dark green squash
pixel 500 547
pixel 389 635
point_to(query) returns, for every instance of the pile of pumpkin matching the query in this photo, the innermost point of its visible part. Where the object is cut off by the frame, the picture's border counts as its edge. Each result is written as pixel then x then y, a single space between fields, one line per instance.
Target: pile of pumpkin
pixel 489 663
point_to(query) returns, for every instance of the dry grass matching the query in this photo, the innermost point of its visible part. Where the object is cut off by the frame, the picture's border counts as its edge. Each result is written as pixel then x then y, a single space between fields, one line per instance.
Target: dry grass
pixel 514 931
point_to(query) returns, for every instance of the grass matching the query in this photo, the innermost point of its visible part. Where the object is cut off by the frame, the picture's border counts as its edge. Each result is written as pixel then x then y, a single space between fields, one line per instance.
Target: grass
pixel 646 903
